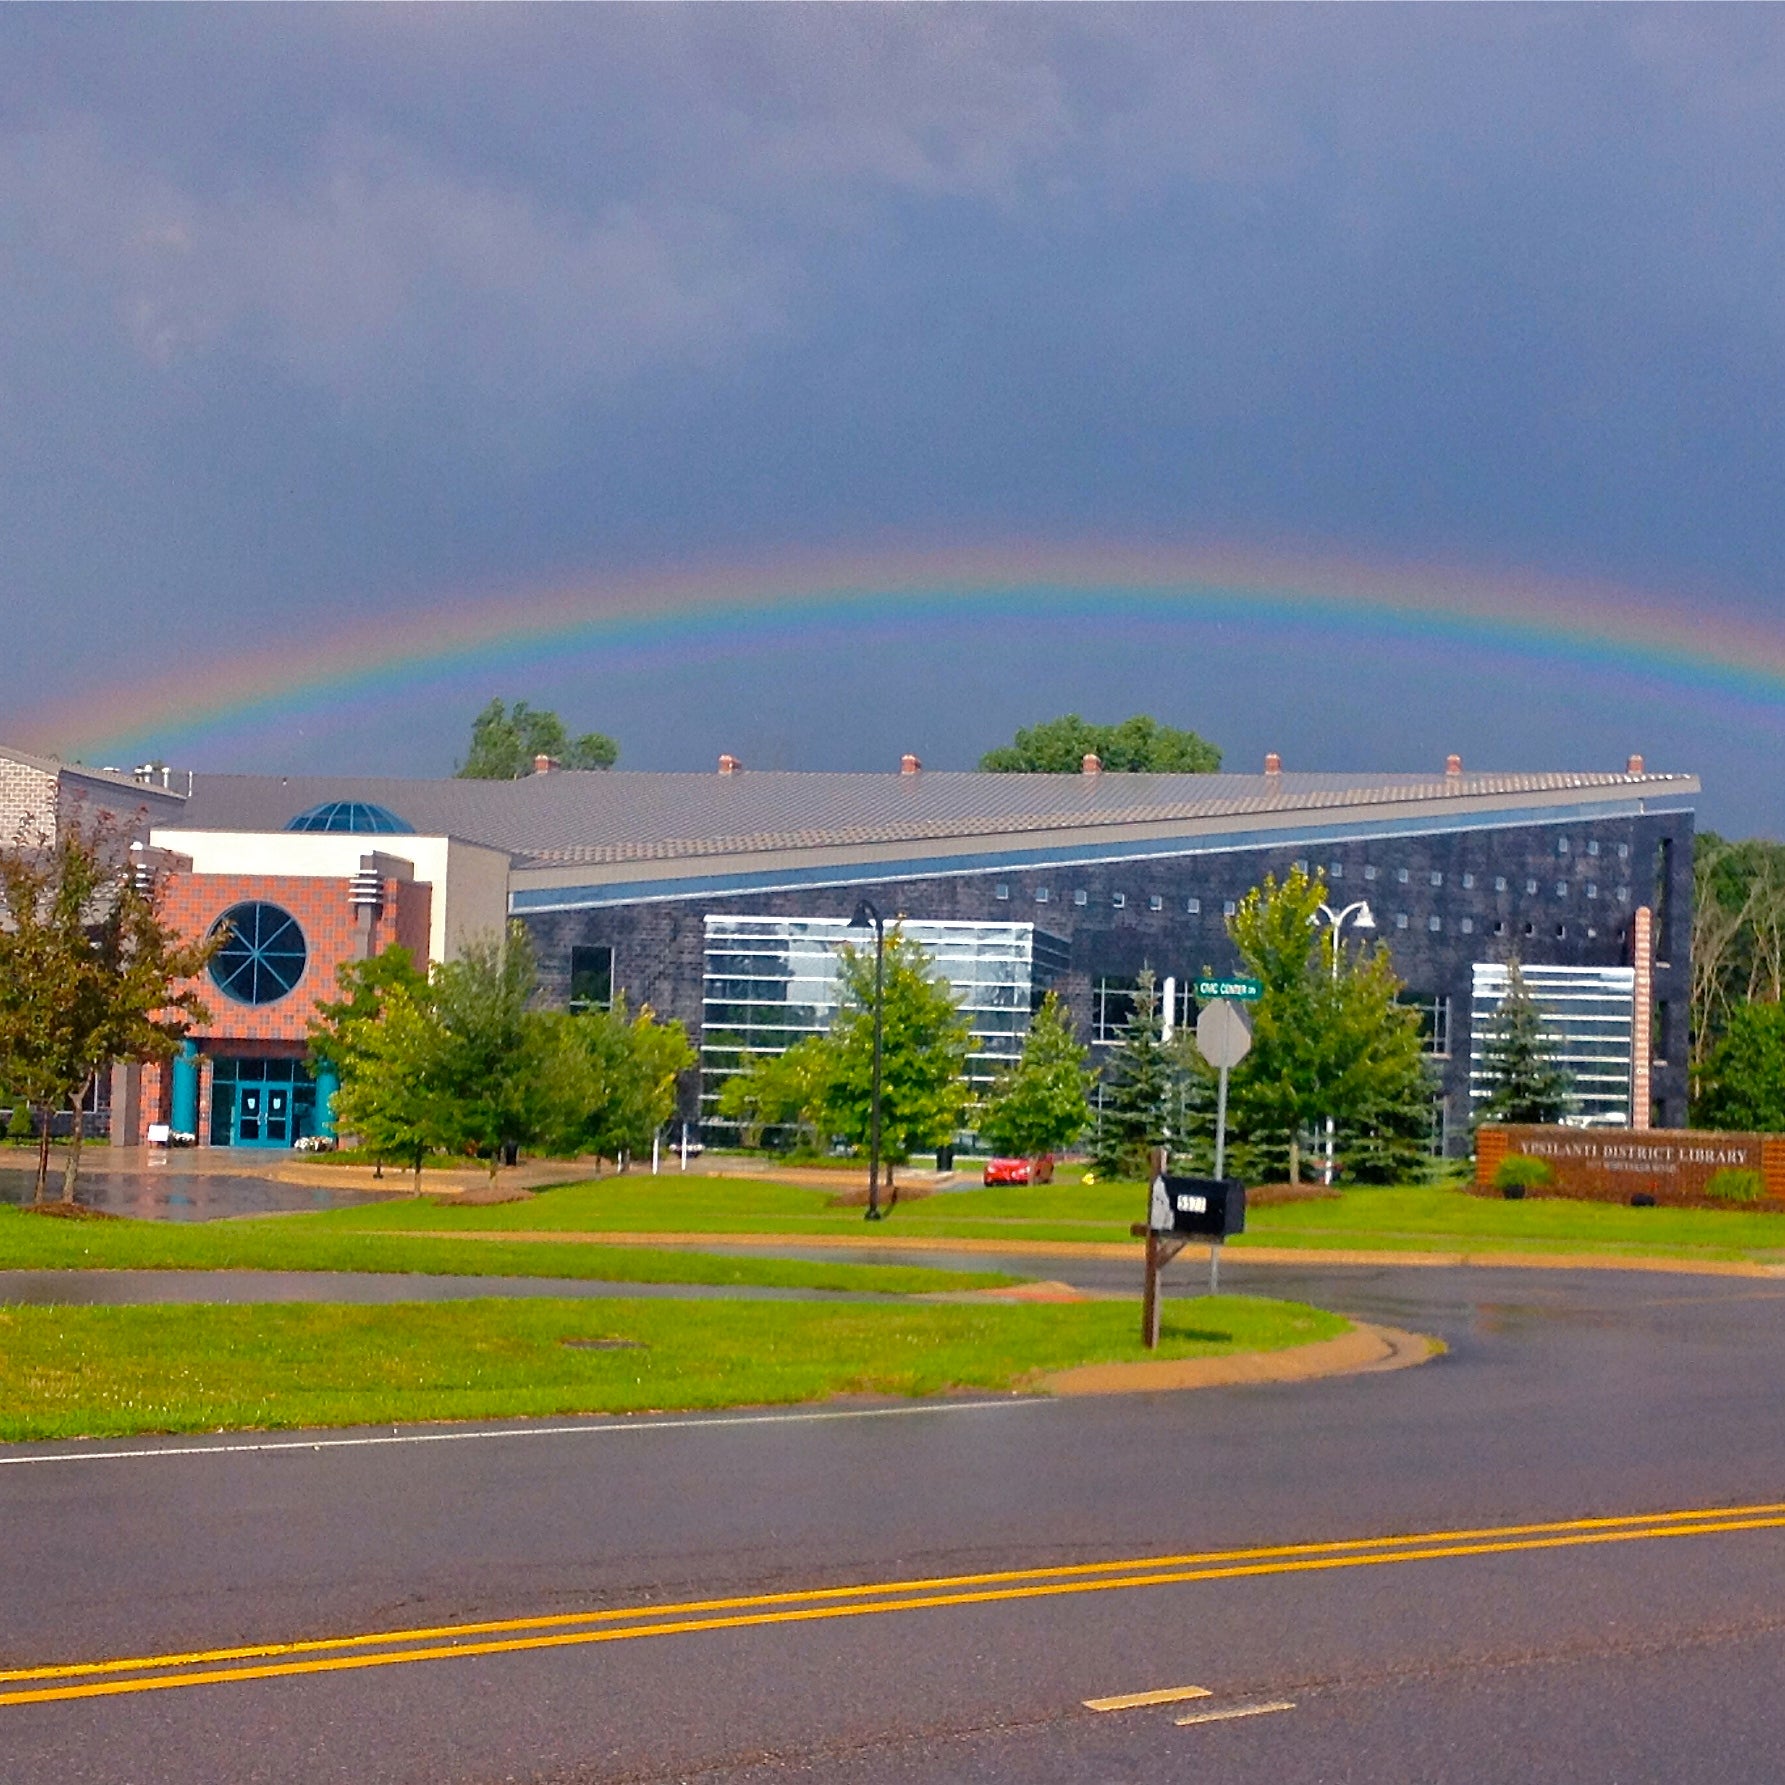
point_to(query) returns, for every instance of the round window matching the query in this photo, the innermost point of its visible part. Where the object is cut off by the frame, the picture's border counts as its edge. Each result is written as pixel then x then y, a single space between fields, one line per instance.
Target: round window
pixel 263 956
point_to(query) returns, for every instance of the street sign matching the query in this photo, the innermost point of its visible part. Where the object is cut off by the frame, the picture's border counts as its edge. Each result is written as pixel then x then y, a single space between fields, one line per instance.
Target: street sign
pixel 1241 990
pixel 1223 1036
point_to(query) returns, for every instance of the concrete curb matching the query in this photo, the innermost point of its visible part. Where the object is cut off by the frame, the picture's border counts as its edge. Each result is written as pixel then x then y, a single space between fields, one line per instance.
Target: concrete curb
pixel 1363 1350
pixel 1017 1248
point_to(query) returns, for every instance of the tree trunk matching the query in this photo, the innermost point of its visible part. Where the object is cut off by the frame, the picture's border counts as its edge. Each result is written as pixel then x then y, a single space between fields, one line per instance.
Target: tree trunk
pixel 43 1157
pixel 418 1171
pixel 71 1169
pixel 1295 1159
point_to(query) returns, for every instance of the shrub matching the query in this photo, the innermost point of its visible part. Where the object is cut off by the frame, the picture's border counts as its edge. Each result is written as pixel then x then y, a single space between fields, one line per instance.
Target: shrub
pixel 1735 1183
pixel 1519 1171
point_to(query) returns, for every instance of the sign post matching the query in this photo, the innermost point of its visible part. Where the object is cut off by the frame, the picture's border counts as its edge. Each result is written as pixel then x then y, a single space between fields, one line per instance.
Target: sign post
pixel 1223 1038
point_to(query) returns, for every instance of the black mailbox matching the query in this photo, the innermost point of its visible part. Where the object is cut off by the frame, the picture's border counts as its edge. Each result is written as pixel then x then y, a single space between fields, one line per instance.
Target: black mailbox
pixel 1211 1208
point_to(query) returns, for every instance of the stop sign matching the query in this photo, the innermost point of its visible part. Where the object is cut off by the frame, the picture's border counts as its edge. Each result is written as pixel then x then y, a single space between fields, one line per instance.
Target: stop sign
pixel 1223 1036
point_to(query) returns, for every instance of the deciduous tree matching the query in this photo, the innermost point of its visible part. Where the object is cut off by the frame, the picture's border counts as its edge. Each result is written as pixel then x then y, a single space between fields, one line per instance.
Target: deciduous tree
pixel 1743 1081
pixel 1140 744
pixel 1042 1104
pixel 505 740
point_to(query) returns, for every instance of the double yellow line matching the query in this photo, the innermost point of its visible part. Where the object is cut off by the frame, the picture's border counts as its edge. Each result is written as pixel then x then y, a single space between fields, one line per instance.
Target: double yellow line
pixel 446 1642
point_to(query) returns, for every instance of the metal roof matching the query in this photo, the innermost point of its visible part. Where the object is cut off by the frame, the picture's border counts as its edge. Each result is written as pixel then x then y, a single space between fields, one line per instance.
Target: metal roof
pixel 573 817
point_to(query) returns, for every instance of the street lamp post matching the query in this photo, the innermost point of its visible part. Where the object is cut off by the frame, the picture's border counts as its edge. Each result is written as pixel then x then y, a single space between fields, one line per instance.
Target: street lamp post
pixel 1359 915
pixel 865 914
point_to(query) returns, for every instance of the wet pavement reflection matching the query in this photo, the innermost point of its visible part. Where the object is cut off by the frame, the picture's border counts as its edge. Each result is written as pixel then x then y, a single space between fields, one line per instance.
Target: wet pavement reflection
pixel 166 1193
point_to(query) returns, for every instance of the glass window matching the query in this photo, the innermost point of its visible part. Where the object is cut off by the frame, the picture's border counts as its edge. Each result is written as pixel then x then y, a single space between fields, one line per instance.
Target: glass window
pixel 1112 1004
pixel 1561 889
pixel 1499 883
pixel 1434 923
pixel 1041 895
pixel 1118 900
pixel 1468 881
pixel 1400 920
pixel 1623 895
pixel 1434 1022
pixel 1561 846
pixel 1001 890
pixel 1155 903
pixel 1369 870
pixel 591 976
pixel 1335 870
pixel 1437 878
pixel 1531 887
pixel 1081 897
pixel 1193 906
pixel 1623 852
pixel 1467 926
pixel 1228 908
pixel 1403 875
pixel 1301 867
pixel 1592 889
pixel 263 954
pixel 1592 846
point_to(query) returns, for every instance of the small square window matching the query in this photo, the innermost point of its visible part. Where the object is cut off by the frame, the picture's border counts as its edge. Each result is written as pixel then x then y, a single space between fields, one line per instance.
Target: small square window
pixel 1335 870
pixel 1301 867
pixel 1001 890
pixel 1402 875
pixel 1434 923
pixel 1561 931
pixel 1041 895
pixel 1623 852
pixel 1118 900
pixel 1499 926
pixel 1081 897
pixel 1369 870
pixel 1531 888
pixel 1468 880
pixel 1193 906
pixel 1592 846
pixel 1467 926
pixel 1592 889
pixel 1437 878
pixel 1530 928
pixel 1400 920
pixel 1561 889
pixel 1499 883
pixel 1155 903
pixel 1228 908
pixel 1623 895
pixel 1591 932
pixel 1561 846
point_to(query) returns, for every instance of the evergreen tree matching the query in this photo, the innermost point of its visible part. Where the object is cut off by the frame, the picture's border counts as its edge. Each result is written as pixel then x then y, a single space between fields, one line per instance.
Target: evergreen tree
pixel 924 1049
pixel 1139 1091
pixel 1042 1104
pixel 1519 1061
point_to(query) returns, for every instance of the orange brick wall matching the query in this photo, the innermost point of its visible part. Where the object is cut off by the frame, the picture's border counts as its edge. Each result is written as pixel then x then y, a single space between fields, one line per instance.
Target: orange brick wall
pixel 192 903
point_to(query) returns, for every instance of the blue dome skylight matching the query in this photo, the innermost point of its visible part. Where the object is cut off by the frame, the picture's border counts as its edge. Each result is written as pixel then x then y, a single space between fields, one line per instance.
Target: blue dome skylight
pixel 358 816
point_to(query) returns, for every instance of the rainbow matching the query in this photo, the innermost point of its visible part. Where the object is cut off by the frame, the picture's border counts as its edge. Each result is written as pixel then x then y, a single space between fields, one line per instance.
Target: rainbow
pixel 1688 646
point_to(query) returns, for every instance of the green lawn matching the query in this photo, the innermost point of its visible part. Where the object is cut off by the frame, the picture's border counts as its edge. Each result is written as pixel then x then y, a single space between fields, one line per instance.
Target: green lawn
pixel 316 1242
pixel 109 1372
pixel 1409 1218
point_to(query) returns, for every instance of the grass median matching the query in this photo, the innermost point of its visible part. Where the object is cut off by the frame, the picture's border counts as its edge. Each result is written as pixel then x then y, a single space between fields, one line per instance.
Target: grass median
pixel 310 1243
pixel 1409 1218
pixel 112 1372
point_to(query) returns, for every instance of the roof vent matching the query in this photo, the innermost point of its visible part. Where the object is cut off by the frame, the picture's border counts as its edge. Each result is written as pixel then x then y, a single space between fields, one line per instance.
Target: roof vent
pixel 909 764
pixel 1633 766
pixel 729 764
pixel 365 891
pixel 1092 765
pixel 546 765
pixel 1273 763
pixel 1453 764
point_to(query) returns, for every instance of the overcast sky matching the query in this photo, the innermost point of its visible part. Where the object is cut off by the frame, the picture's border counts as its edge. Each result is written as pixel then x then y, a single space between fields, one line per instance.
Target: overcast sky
pixel 311 315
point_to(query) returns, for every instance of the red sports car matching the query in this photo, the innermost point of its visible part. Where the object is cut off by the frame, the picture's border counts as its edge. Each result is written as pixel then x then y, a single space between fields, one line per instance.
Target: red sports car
pixel 1020 1171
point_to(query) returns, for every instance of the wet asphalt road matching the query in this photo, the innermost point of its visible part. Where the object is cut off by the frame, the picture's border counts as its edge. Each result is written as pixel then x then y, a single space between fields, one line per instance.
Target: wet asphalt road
pixel 1563 1396
pixel 171 1191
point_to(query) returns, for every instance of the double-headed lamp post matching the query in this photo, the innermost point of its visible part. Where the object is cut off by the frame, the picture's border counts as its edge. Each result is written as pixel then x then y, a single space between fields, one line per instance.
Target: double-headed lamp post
pixel 1358 915
pixel 866 915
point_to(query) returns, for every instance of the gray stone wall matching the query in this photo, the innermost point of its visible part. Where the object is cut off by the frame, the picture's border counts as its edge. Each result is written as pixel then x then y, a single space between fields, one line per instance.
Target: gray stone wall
pixel 1579 915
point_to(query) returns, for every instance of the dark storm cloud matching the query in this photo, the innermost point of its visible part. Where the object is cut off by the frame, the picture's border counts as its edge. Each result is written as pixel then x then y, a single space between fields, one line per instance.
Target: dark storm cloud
pixel 310 310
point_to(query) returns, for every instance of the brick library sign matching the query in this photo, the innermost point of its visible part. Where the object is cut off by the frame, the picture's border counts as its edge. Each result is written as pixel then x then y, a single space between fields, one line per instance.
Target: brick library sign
pixel 1613 1164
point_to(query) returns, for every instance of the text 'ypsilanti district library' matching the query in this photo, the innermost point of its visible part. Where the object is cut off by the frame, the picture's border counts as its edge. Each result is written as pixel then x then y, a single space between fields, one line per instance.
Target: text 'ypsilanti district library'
pixel 720 899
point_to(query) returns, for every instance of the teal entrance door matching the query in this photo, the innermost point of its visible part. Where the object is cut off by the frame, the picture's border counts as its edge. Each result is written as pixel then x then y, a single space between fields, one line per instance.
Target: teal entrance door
pixel 261 1103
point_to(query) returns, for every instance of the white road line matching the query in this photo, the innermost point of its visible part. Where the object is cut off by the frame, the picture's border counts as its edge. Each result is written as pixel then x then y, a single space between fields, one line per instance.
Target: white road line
pixel 616 1428
pixel 1227 1713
